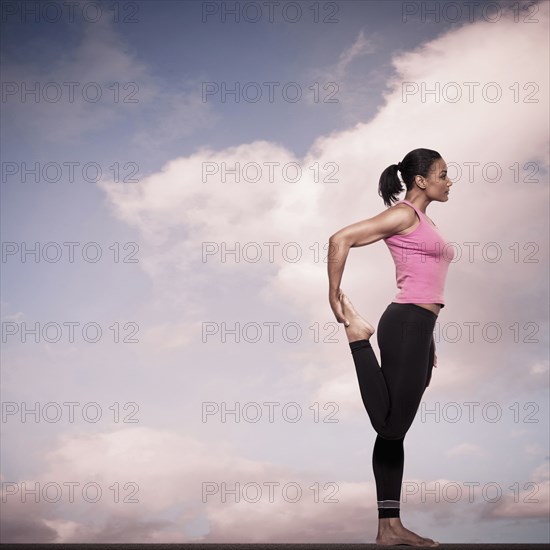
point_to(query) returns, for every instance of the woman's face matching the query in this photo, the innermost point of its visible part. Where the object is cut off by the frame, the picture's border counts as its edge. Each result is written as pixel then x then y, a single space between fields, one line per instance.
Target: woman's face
pixel 437 182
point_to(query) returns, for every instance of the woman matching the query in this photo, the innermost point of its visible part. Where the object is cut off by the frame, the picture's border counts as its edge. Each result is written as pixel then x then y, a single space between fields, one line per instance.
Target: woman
pixel 392 393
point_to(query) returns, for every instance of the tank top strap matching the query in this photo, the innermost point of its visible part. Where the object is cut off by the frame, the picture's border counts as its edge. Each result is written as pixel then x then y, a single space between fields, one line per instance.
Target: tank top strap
pixel 421 214
pixel 415 208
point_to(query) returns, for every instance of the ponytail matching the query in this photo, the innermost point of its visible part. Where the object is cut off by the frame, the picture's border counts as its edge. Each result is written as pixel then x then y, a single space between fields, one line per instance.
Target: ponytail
pixel 389 185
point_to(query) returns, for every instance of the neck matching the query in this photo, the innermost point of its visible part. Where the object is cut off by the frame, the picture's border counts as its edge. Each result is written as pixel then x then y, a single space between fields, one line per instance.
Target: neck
pixel 419 200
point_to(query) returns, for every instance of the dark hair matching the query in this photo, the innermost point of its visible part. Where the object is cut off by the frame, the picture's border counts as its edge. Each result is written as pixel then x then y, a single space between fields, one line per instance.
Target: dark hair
pixel 417 162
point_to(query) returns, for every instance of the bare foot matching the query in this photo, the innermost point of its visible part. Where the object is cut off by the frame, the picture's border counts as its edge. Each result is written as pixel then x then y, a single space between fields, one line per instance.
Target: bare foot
pixel 396 533
pixel 358 328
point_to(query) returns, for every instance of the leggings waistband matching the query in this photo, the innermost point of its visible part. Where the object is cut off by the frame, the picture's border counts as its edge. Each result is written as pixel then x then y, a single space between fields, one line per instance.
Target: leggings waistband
pixel 427 312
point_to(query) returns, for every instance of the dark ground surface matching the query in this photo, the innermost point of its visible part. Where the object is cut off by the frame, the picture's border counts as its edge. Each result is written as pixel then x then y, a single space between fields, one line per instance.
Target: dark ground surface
pixel 200 546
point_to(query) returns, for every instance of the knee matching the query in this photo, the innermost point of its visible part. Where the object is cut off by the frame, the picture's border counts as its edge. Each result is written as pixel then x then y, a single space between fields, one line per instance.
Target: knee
pixel 392 435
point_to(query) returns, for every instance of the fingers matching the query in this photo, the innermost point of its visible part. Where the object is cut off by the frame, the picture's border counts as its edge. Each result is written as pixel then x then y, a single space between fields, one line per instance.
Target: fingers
pixel 338 313
pixel 344 320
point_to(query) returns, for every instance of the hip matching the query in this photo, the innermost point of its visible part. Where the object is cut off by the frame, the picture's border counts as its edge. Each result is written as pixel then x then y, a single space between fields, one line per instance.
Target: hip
pixel 408 325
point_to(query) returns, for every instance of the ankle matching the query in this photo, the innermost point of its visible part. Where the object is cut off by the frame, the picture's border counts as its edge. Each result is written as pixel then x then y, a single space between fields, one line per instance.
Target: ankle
pixel 385 524
pixel 356 344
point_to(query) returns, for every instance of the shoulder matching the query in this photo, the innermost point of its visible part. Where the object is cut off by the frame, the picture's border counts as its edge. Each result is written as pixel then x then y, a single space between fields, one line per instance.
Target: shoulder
pixel 397 217
pixel 401 212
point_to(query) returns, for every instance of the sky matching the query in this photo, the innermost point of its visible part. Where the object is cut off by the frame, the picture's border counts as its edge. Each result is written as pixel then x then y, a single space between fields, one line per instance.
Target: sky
pixel 171 369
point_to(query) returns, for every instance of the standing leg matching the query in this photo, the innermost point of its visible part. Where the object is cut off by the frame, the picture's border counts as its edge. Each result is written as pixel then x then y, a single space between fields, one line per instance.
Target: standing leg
pixel 388 459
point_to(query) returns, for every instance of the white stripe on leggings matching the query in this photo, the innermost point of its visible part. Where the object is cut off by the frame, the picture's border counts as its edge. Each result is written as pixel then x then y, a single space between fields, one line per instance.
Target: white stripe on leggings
pixel 388 504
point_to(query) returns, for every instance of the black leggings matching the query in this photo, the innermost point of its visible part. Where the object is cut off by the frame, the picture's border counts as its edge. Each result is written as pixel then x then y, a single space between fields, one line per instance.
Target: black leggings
pixel 392 393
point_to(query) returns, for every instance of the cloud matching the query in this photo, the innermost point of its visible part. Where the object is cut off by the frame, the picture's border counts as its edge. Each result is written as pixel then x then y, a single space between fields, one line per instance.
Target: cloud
pixel 169 336
pixel 349 79
pixel 101 63
pixel 240 500
pixel 181 477
pixel 23 522
pixel 530 499
pixel 479 500
pixel 361 46
pixel 183 208
pixel 467 450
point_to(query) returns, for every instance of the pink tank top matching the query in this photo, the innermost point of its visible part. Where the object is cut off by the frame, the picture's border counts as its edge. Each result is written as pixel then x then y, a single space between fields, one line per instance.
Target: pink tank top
pixel 421 262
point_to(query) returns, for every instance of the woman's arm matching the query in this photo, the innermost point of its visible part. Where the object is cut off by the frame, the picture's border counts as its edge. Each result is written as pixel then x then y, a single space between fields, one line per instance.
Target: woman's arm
pixel 338 249
pixel 365 232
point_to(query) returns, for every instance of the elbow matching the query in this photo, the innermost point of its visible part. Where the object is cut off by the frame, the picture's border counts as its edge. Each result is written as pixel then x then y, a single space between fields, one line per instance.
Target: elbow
pixel 340 239
pixel 336 237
